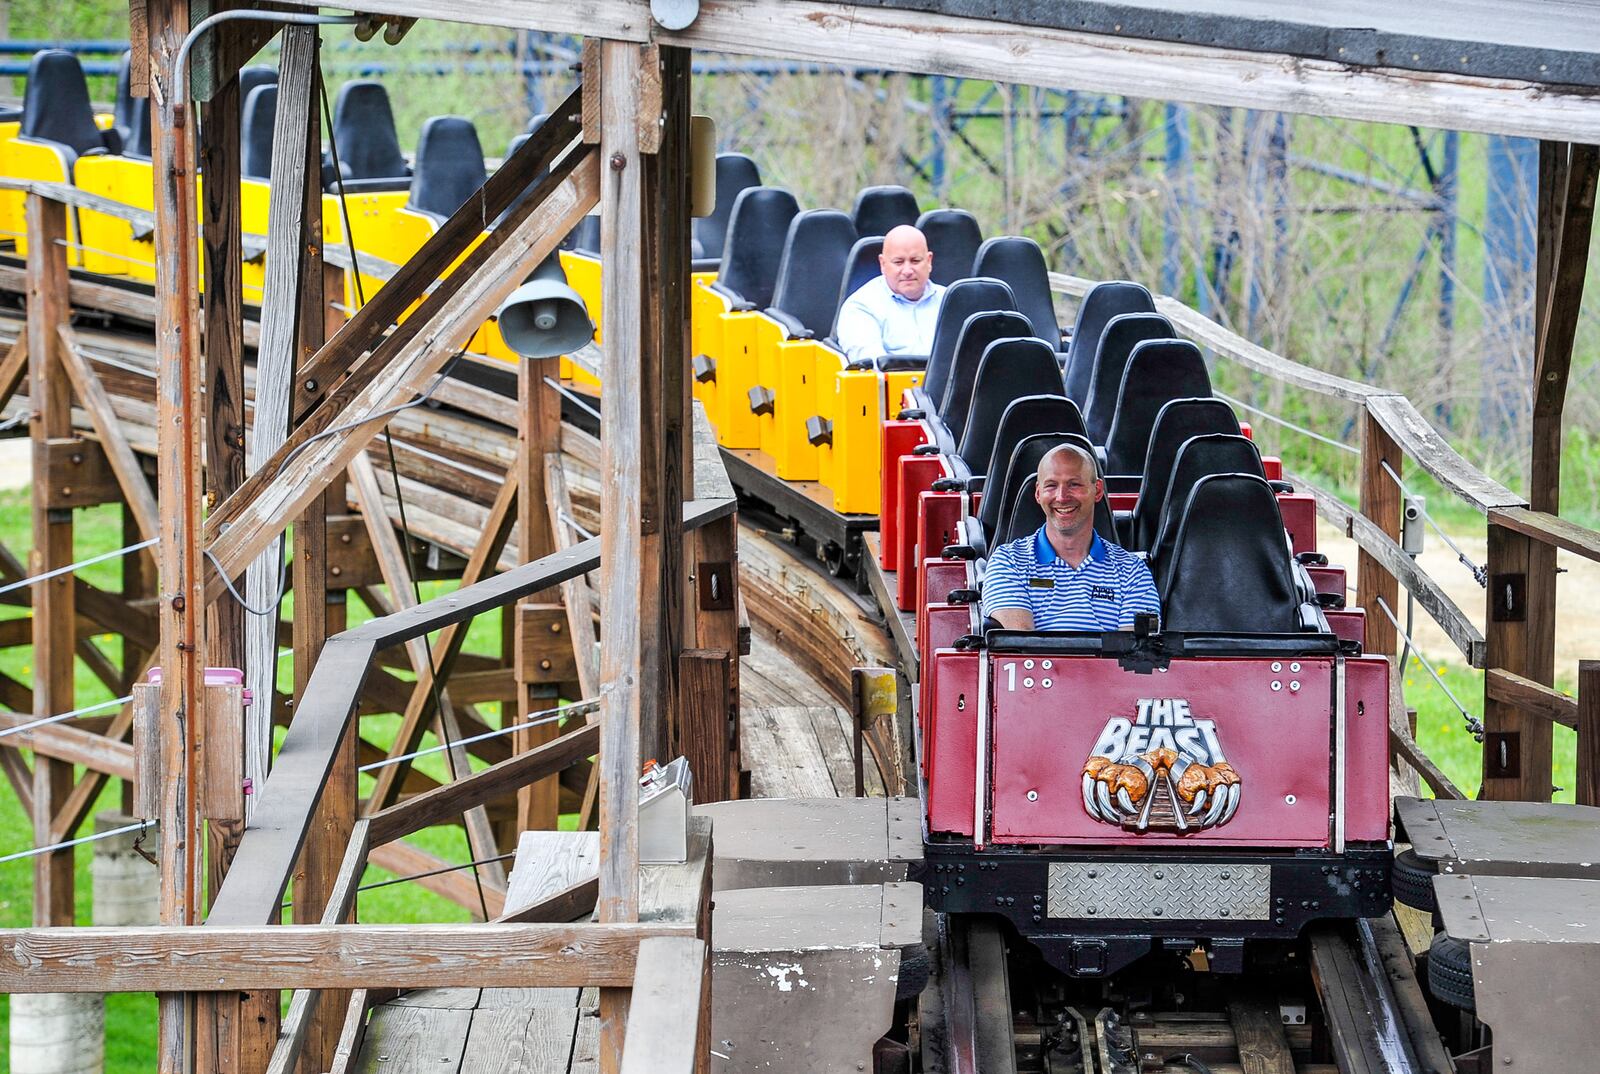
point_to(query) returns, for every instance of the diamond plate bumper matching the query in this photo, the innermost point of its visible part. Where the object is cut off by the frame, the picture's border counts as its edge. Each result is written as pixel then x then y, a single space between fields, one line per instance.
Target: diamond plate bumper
pixel 1171 891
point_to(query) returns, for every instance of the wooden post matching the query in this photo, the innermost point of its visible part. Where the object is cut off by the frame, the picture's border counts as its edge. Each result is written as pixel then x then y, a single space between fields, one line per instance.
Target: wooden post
pixel 1517 745
pixel 1588 789
pixel 717 629
pixel 54 614
pixel 1380 502
pixel 613 70
pixel 538 438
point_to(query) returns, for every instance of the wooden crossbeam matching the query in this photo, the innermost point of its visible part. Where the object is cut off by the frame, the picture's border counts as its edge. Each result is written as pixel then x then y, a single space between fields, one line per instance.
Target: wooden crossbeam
pixel 396 571
pixel 124 463
pixel 1529 696
pixel 446 650
pixel 166 959
pixel 452 799
pixel 670 1012
pixel 64 743
pixel 449 318
pixel 433 873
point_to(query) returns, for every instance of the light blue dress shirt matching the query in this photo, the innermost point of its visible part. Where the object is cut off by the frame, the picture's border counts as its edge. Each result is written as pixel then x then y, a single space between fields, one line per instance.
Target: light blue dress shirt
pixel 875 321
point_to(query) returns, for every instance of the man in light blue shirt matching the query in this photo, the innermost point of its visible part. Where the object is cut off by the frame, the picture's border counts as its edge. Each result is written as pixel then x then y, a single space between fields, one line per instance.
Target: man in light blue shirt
pixel 1064 576
pixel 894 313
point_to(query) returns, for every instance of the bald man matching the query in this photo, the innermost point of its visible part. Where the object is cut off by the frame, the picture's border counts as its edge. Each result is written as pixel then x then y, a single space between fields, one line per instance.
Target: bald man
pixel 1064 575
pixel 894 313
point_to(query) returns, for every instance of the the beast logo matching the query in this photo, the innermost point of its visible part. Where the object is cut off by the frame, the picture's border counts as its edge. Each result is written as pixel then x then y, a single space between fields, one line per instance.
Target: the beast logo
pixel 1162 770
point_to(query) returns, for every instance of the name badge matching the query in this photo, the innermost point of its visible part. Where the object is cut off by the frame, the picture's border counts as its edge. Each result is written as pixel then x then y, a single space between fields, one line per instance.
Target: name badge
pixel 1042 583
pixel 1102 592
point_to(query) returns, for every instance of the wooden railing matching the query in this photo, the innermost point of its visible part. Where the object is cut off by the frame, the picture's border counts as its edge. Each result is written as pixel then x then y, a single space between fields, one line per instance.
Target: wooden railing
pixel 1519 606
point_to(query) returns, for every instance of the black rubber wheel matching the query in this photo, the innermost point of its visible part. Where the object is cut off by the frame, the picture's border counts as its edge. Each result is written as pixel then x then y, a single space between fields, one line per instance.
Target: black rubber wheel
pixel 1450 972
pixel 1413 881
pixel 916 963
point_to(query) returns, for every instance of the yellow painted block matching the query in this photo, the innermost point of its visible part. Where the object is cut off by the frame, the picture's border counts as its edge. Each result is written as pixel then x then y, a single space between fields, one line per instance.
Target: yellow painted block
pixel 829 364
pixel 736 375
pixel 793 453
pixel 583 276
pixel 24 159
pixel 765 335
pixel 109 244
pixel 857 449
pixel 896 385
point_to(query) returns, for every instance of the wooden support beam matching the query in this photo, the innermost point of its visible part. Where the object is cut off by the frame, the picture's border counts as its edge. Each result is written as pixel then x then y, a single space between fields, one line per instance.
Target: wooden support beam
pixel 446 651
pixel 572 902
pixel 1588 789
pixel 63 742
pixel 447 321
pixel 1517 746
pixel 397 575
pixel 1380 504
pixel 1531 697
pixel 1550 529
pixel 432 873
pixel 626 575
pixel 450 800
pixel 150 958
pixel 54 614
pixel 124 463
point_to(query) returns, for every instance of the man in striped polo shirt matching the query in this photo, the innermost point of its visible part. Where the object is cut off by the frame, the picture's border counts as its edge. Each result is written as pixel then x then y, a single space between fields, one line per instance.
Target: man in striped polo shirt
pixel 1065 576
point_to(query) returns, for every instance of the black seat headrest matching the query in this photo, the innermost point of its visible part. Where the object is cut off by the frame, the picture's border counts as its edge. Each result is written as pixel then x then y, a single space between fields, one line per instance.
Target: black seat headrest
pixel 1198 457
pixel 449 167
pixel 1103 302
pixel 1122 334
pixel 1020 262
pixel 1022 418
pixel 1011 368
pixel 363 129
pixel 962 300
pixel 1158 371
pixel 255 136
pixel 585 238
pixel 814 256
pixel 860 268
pixel 256 74
pixel 953 237
pixel 979 331
pixel 1175 423
pixel 56 108
pixel 753 247
pixel 1229 569
pixel 1022 475
pixel 735 173
pixel 879 209
pixel 131 115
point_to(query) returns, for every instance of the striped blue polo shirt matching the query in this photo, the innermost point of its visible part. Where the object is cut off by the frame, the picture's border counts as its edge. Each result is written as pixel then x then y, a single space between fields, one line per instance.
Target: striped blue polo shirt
pixel 1104 593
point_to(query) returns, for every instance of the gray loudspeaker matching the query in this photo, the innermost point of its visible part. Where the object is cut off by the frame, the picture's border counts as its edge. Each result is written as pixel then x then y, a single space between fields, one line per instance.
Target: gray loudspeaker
pixel 544 318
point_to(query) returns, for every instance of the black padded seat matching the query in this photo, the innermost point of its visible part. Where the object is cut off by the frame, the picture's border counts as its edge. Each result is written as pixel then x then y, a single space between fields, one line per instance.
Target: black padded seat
pixel 1024 417
pixel 252 76
pixel 1198 457
pixel 757 228
pixel 1158 371
pixel 1102 302
pixel 979 332
pixel 131 115
pixel 449 167
pixel 1010 369
pixel 735 173
pixel 1020 262
pixel 1122 334
pixel 1025 515
pixel 860 268
pixel 1230 570
pixel 255 135
pixel 962 300
pixel 1175 423
pixel 585 238
pixel 953 237
pixel 363 129
pixel 56 108
pixel 880 209
pixel 814 257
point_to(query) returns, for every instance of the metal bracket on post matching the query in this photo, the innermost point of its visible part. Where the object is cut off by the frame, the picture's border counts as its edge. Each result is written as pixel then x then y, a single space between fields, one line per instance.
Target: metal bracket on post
pixel 715 582
pixel 1502 755
pixel 873 697
pixel 1508 597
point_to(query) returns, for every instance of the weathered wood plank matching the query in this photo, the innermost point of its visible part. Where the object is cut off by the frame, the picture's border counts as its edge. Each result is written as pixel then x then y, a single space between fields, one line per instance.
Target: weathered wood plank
pixel 148 959
pixel 1549 529
pixel 664 1020
pixel 63 743
pixel 1588 725
pixel 410 1038
pixel 1418 439
pixel 1380 505
pixel 1530 696
pixel 1258 1032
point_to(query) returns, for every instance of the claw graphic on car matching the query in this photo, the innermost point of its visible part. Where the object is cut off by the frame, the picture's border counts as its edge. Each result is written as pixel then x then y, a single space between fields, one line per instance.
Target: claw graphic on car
pixel 1163 770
